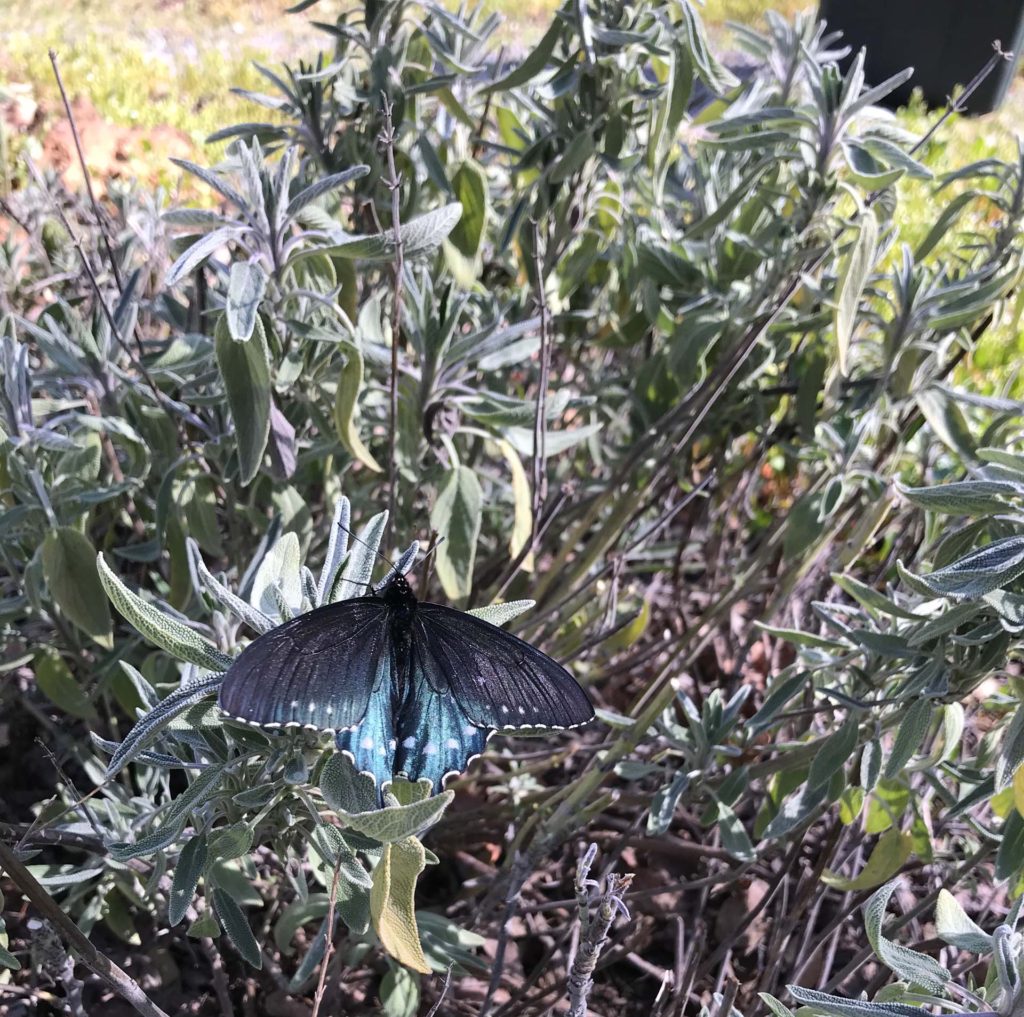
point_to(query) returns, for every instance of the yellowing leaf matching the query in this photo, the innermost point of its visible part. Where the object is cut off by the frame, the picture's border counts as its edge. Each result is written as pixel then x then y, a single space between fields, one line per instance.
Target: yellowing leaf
pixel 850 804
pixel 891 851
pixel 1003 802
pixel 629 634
pixel 392 902
pixel 522 524
pixel 1018 789
pixel 349 386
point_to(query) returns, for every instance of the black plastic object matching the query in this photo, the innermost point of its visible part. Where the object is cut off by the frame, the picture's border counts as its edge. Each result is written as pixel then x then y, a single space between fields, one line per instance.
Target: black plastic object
pixel 946 42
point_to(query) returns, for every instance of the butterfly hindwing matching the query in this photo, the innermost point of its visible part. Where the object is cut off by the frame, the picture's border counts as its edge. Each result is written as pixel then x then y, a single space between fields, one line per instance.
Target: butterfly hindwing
pixel 435 735
pixel 318 670
pixel 371 744
pixel 498 680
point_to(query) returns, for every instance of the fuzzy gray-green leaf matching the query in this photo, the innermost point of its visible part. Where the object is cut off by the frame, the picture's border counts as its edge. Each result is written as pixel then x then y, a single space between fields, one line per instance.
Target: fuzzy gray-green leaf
pixel 187 874
pixel 167 633
pixel 245 371
pixel 236 926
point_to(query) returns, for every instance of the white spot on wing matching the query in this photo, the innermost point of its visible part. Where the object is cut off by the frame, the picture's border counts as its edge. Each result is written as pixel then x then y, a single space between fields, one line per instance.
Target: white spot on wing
pixel 367 742
pixel 452 743
pixel 430 749
pixel 409 743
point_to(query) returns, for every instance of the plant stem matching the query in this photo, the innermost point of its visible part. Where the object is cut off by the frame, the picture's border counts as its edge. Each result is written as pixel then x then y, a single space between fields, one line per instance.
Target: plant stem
pixel 329 947
pixel 86 176
pixel 394 184
pixel 120 981
pixel 540 477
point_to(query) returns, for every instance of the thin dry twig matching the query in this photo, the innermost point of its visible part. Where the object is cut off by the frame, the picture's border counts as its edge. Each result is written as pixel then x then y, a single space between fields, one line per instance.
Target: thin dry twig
pixel 394 184
pixel 540 477
pixel 444 992
pixel 119 980
pixel 86 175
pixel 329 947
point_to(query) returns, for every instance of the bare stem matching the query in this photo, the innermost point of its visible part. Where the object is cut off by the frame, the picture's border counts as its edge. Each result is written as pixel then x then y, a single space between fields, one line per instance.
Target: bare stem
pixel 120 981
pixel 594 937
pixel 86 175
pixel 394 184
pixel 329 948
pixel 540 477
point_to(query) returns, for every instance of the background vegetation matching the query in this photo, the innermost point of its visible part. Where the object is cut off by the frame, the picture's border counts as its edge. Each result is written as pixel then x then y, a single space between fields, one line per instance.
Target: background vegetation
pixel 687 342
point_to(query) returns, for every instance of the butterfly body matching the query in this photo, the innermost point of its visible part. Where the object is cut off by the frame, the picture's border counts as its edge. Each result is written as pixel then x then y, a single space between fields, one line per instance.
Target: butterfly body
pixel 409 688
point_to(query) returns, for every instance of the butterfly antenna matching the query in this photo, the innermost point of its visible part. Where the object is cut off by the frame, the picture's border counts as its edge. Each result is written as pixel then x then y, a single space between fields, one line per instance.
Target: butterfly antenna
pixel 359 540
pixel 396 568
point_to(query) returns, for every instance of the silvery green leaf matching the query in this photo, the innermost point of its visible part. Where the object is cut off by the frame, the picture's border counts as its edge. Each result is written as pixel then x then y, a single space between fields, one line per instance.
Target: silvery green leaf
pixel 796 809
pixel 231 841
pixel 160 759
pixel 247 283
pixel 256 620
pixel 200 791
pixel 954 925
pixel 555 442
pixel 59 877
pixel 734 836
pixel 151 724
pixel 344 788
pixel 968 497
pixel 355 580
pixel 141 685
pixel 1009 607
pixel 500 614
pixel 245 371
pixel 236 926
pixel 398 822
pixel 777 1008
pixel 456 516
pixel 199 252
pixel 330 844
pixel 187 873
pixel 422 235
pixel 337 548
pixel 833 753
pixel 664 802
pixel 913 967
pixel 281 570
pixel 402 566
pixel 853 278
pixel 170 635
pixel 324 186
pixel 1011 750
pixel 213 180
pixel 822 1002
pixel 910 736
pixel 988 568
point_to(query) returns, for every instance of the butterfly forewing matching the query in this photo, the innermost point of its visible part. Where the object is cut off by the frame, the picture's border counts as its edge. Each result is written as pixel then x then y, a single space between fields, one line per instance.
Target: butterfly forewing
pixel 318 670
pixel 497 679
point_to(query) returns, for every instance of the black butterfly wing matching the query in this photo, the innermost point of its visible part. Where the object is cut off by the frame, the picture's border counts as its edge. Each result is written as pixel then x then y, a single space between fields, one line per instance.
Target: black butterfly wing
pixel 497 679
pixel 317 671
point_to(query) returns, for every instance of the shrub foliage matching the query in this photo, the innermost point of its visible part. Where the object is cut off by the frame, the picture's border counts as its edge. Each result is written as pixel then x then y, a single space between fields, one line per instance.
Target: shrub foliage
pixel 614 328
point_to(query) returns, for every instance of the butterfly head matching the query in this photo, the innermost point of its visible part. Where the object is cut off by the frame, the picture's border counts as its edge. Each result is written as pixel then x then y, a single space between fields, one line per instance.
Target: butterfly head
pixel 398 594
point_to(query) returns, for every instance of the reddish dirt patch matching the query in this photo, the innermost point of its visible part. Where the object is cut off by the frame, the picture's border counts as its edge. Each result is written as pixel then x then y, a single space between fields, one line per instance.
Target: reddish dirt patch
pixel 111 152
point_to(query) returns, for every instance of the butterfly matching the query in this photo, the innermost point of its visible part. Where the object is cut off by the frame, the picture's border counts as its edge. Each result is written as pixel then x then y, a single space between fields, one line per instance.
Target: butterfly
pixel 410 689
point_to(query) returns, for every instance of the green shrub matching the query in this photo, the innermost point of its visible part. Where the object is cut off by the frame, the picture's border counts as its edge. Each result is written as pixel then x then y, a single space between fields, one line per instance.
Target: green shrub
pixel 653 353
